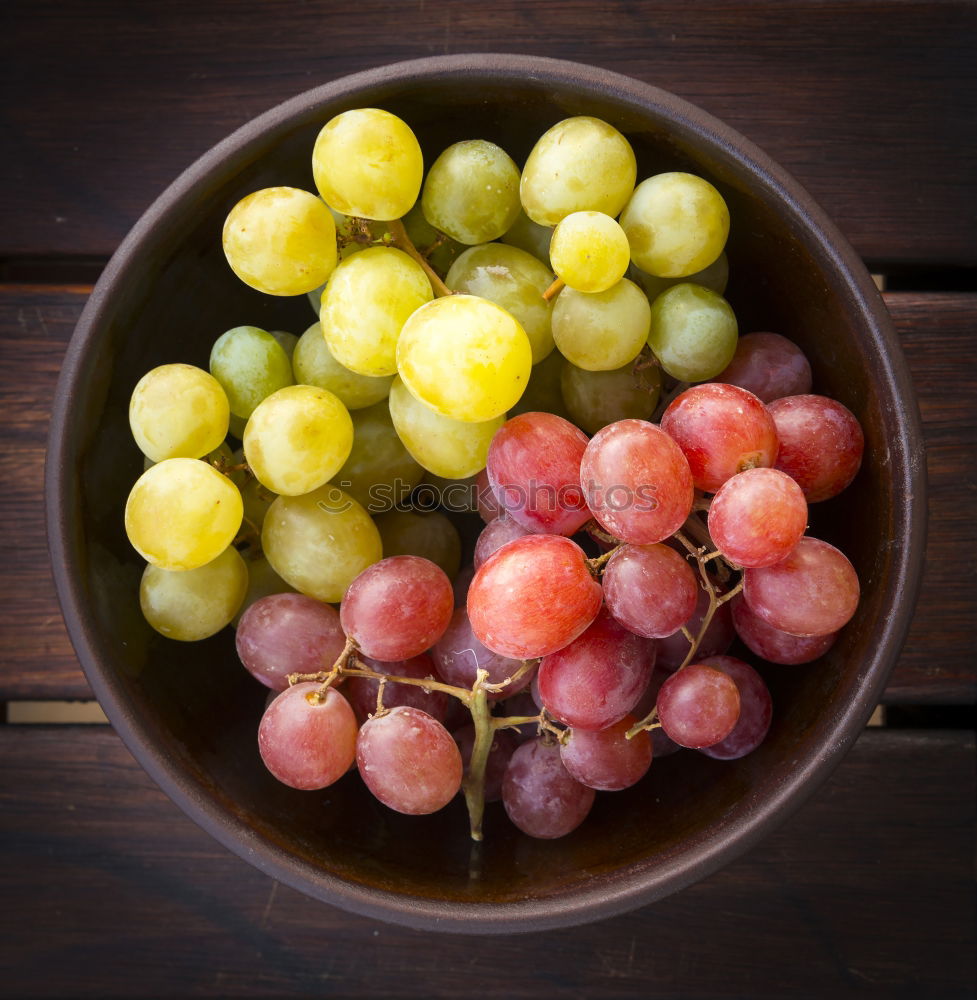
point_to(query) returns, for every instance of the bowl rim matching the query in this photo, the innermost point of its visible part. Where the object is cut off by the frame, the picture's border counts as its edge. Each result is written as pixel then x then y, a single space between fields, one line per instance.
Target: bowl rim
pixel 609 894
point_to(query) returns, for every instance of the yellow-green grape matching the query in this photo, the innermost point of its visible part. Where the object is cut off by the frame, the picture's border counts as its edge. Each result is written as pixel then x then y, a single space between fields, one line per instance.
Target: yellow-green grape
pixel 676 223
pixel 257 499
pixel 286 341
pixel 451 448
pixel 425 237
pixel 432 536
pixel 365 305
pixel 715 276
pixel 182 513
pixel 297 439
pixel 368 163
pixel 693 332
pixel 465 357
pixel 472 192
pixel 513 279
pixel 314 364
pixel 250 364
pixel 579 165
pixel 281 240
pixel 320 542
pixel 195 603
pixel 380 471
pixel 601 331
pixel 262 581
pixel 178 411
pixel 596 399
pixel 543 392
pixel 531 237
pixel 589 251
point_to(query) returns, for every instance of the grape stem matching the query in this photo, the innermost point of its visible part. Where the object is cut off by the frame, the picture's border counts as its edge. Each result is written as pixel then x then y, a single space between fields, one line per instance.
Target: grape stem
pixel 554 289
pixel 597 563
pixel 403 242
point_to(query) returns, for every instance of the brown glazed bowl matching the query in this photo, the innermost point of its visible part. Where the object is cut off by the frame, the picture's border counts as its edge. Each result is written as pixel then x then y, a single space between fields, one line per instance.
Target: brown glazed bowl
pixel 189 711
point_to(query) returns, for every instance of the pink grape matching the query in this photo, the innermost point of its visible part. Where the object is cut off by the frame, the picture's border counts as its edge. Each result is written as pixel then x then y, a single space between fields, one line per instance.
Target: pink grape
pixel 599 677
pixel 637 482
pixel 821 444
pixel 409 761
pixel 813 591
pixel 769 366
pixel 398 607
pixel 307 745
pixel 489 507
pixel 504 744
pixel 756 710
pixel 650 589
pixel 533 596
pixel 772 644
pixel 757 517
pixel 607 760
pixel 361 692
pixel 673 649
pixel 698 706
pixel 286 634
pixel 540 796
pixel 722 430
pixel 459 654
pixel 534 468
pixel 495 534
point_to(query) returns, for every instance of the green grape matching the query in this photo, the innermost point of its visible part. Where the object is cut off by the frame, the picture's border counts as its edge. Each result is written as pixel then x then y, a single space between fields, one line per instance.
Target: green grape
pixel 320 542
pixel 432 536
pixel 513 279
pixel 380 471
pixel 531 237
pixel 236 426
pixel 424 236
pixel 604 330
pixel 280 240
pixel 182 513
pixel 297 439
pixel 543 392
pixel 178 411
pixel 257 499
pixel 693 332
pixel 368 163
pixel 286 341
pixel 250 365
pixel 676 223
pixel 451 448
pixel 465 357
pixel 589 251
pixel 366 302
pixel 262 581
pixel 472 192
pixel 314 364
pixel 715 276
pixel 596 399
pixel 579 165
pixel 196 603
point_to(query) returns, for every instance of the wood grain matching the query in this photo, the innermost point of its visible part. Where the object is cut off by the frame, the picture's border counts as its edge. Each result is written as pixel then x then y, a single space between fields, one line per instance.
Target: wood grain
pixel 869 103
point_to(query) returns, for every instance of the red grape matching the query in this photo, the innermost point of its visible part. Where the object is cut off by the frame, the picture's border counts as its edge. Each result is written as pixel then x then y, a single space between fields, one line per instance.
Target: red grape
pixel 495 534
pixel 459 655
pixel 774 645
pixel 504 744
pixel 769 366
pixel 756 710
pixel 362 691
pixel 698 706
pixel 607 760
pixel 673 649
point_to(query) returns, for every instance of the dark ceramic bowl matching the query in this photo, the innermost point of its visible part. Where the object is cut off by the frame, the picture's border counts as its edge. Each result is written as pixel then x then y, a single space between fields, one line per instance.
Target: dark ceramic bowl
pixel 189 712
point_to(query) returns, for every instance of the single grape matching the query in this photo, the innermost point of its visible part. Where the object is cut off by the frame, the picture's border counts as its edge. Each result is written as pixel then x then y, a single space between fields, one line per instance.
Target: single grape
pixel 596 399
pixel 768 365
pixel 602 331
pixel 431 535
pixel 459 656
pixel 543 393
pixel 398 607
pixel 636 481
pixel 773 644
pixel 821 444
pixel 714 277
pixel 540 796
pixel 314 364
pixel 368 163
pixel 589 251
pixel 472 192
pixel 284 634
pixel 178 411
pixel 607 760
pixel 281 241
pixel 676 223
pixel 692 332
pixel 504 744
pixel 307 743
pixel 263 581
pixel 673 649
pixel 496 534
pixel 533 596
pixel 298 439
pixel 250 365
pixel 813 591
pixel 531 237
pixel 465 357
pixel 722 430
pixel 196 603
pixel 756 710
pixel 409 761
pixel 361 692
pixel 181 513
pixel 698 706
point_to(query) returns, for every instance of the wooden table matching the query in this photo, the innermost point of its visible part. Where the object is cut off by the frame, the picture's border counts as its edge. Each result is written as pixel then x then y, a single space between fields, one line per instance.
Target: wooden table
pixel 869 890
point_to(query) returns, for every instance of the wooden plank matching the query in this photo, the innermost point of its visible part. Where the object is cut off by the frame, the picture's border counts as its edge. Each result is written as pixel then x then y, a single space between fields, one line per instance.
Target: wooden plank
pixel 109 890
pixel 869 103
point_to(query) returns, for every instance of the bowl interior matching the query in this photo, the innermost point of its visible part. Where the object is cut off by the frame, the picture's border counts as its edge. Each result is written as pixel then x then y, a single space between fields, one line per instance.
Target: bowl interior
pixel 190 711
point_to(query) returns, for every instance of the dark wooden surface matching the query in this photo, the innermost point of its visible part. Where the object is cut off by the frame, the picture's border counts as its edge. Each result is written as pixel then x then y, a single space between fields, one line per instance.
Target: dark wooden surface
pixel 107 890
